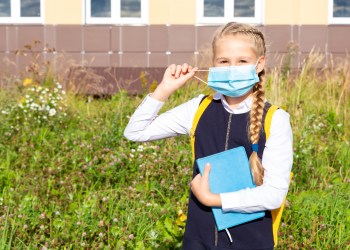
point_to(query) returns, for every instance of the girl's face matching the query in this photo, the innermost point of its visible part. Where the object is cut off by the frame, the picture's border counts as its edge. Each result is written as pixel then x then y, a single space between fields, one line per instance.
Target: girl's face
pixel 236 51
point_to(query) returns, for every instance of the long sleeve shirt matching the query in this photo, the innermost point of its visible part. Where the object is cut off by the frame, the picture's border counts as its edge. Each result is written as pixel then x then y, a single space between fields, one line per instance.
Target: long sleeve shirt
pixel 146 125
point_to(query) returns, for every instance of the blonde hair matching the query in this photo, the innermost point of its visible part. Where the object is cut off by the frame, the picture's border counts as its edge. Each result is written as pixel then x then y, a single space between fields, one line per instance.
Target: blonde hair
pixel 257 110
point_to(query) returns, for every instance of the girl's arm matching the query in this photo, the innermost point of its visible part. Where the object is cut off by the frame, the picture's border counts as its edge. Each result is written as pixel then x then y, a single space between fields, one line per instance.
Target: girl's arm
pixel 146 125
pixel 277 162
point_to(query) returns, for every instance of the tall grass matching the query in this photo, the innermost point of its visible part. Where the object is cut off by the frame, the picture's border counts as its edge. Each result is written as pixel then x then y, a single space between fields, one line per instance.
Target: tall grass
pixel 72 181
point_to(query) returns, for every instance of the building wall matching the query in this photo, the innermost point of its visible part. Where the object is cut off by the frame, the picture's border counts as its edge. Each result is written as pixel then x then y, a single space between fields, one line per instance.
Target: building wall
pixel 172 12
pixel 296 26
pixel 296 12
pixel 64 12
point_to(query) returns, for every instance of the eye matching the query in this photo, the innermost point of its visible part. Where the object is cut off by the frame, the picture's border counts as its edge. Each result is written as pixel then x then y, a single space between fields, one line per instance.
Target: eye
pixel 242 61
pixel 223 61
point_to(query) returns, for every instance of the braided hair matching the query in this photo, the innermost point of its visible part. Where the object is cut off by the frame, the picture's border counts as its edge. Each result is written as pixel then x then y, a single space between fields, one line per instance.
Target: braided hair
pixel 257 109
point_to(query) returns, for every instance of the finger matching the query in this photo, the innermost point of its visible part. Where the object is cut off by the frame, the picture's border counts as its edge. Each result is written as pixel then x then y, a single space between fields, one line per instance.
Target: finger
pixel 172 69
pixel 206 170
pixel 178 71
pixel 184 68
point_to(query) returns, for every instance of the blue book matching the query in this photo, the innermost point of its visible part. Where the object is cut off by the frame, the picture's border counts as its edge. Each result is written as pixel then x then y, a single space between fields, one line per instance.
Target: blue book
pixel 230 171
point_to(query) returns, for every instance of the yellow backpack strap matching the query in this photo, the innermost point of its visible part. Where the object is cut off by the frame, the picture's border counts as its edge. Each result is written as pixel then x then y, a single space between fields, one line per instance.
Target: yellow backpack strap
pixel 276 214
pixel 268 119
pixel 202 106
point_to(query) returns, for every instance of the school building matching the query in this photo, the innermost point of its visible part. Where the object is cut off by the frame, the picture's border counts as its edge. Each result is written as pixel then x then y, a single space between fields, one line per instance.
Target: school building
pixel 127 37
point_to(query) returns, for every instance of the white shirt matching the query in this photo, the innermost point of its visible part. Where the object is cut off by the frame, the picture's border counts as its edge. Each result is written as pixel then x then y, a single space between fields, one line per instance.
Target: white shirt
pixel 277 160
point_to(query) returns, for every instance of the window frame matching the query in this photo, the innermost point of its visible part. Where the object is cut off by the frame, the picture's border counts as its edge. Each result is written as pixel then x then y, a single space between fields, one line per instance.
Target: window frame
pixel 335 20
pixel 228 14
pixel 115 14
pixel 15 17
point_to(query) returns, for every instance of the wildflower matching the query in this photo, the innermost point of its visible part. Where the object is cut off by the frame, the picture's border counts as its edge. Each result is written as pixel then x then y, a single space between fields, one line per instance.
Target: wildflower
pixel 57 213
pixel 100 234
pixel 115 220
pixel 131 236
pixel 25 226
pixel 27 82
pixel 52 112
pixel 42 226
pixel 83 234
pixel 101 223
pixel 43 216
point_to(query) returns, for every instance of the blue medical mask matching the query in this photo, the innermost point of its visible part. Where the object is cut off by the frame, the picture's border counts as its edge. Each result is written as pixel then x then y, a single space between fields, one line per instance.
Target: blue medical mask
pixel 234 81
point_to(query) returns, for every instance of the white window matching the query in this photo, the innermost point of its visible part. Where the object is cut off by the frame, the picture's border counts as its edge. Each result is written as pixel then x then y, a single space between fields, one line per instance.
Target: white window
pixel 223 11
pixel 116 11
pixel 21 11
pixel 339 11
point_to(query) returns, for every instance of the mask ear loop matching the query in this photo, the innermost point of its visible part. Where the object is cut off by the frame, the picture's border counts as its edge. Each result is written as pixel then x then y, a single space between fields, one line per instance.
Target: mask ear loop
pixel 200 78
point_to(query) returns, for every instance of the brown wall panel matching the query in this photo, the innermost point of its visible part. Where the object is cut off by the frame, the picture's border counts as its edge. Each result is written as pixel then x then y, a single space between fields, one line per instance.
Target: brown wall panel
pixel 133 59
pixel 158 38
pixel 116 60
pixel 278 37
pixel 339 38
pixel 12 38
pixel 116 38
pixel 158 59
pixel 69 38
pixel 147 46
pixel 180 58
pixel 97 59
pixel 134 38
pixel 28 35
pixel 50 36
pixel 3 39
pixel 96 38
pixel 182 38
pixel 205 36
pixel 313 36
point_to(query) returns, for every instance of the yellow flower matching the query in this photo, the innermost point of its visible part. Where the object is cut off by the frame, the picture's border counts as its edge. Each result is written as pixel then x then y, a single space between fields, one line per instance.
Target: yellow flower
pixel 27 82
pixel 181 218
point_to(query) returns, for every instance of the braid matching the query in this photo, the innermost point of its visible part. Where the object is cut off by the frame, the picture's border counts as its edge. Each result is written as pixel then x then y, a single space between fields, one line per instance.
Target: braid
pixel 258 45
pixel 255 126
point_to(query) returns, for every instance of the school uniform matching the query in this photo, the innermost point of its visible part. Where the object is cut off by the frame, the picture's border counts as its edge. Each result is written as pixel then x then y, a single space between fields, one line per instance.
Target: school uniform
pixel 276 155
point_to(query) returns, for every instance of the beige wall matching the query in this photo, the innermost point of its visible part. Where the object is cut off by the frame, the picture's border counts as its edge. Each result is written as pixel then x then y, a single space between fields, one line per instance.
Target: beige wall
pixel 277 12
pixel 64 12
pixel 172 12
pixel 296 12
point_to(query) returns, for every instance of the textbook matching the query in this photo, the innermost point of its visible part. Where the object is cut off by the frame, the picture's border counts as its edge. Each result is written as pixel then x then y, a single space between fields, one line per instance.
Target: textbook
pixel 230 171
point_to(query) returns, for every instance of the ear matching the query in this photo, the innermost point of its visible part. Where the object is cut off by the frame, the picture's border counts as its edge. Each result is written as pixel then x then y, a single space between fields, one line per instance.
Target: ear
pixel 261 64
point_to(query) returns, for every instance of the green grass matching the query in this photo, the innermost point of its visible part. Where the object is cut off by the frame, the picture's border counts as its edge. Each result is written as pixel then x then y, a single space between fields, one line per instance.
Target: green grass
pixel 73 181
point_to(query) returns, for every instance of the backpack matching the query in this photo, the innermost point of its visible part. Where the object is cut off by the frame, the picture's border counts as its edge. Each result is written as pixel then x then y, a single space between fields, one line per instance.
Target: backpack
pixel 276 213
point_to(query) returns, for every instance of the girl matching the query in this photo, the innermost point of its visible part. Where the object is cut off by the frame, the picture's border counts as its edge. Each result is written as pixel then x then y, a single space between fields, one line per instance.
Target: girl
pixel 234 118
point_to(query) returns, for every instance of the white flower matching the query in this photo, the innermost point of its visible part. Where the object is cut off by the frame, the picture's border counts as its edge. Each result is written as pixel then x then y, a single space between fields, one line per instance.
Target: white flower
pixel 52 112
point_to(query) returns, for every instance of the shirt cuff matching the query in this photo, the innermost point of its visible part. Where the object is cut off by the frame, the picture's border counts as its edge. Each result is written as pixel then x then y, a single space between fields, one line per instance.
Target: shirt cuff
pixel 226 201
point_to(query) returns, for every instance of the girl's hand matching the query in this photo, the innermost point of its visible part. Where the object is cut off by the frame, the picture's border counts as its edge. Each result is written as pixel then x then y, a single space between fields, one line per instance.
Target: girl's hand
pixel 200 188
pixel 175 76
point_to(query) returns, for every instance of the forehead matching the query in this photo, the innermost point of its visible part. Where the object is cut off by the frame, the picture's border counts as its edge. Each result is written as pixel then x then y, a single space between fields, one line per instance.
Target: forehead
pixel 229 45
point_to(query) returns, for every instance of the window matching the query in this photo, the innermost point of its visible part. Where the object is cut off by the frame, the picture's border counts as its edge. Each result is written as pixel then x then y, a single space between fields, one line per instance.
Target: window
pixel 21 11
pixel 339 11
pixel 222 11
pixel 117 11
